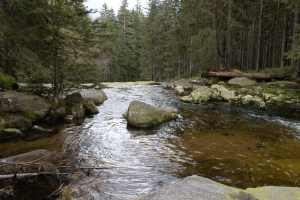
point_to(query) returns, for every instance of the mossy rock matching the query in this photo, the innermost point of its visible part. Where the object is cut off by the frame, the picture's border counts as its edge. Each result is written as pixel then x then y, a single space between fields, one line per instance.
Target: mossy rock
pixel 203 93
pixel 18 120
pixel 36 107
pixel 90 107
pixel 140 114
pixel 75 101
pixel 187 99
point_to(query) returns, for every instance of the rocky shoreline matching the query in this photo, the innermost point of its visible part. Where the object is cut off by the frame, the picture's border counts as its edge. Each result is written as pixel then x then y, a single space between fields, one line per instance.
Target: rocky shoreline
pixel 240 91
pixel 19 112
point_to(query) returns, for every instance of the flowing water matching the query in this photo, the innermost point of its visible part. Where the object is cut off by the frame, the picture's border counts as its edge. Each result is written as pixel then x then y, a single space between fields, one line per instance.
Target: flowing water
pixel 235 146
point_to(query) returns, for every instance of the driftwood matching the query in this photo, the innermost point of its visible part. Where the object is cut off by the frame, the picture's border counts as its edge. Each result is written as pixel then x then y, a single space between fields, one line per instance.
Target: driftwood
pixel 256 76
pixel 18 169
pixel 67 173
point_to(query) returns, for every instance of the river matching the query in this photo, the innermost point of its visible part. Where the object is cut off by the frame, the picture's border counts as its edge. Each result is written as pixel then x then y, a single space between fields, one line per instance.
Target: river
pixel 236 146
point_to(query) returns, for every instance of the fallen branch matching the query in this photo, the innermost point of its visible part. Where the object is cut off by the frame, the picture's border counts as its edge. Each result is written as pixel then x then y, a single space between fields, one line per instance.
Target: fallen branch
pixel 56 191
pixel 26 175
pixel 84 167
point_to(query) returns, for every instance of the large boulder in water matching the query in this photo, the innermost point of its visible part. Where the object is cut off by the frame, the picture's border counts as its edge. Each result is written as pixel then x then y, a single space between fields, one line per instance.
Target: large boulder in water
pixel 143 115
pixel 74 103
pixel 96 96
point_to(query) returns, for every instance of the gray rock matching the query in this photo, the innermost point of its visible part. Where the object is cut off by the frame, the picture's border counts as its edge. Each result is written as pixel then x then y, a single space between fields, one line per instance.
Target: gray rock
pixel 191 188
pixel 203 93
pixel 40 156
pixel 9 133
pixel 75 102
pixel 34 105
pixel 18 120
pixel 60 112
pixel 140 114
pixel 224 93
pixel 187 99
pixel 96 96
pixel 90 107
pixel 199 188
pixel 204 82
pixel 275 193
pixel 187 86
pixel 241 81
pixel 42 130
pixel 179 90
pixel 277 99
pixel 254 100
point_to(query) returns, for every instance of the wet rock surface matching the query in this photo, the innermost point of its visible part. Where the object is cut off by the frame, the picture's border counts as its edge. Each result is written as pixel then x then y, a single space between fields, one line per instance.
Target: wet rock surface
pixel 143 115
pixel 199 188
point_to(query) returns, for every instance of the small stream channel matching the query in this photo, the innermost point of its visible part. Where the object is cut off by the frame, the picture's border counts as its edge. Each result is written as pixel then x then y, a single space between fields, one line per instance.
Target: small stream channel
pixel 235 146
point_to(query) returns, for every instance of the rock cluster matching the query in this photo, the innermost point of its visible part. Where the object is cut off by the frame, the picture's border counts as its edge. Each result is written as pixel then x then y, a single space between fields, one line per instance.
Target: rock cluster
pixel 18 111
pixel 206 91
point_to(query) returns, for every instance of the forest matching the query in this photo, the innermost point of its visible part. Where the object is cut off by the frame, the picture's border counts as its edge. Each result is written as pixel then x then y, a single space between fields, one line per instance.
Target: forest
pixel 55 41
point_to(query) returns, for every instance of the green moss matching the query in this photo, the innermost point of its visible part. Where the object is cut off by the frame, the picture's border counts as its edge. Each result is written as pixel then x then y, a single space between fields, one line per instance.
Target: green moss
pixel 221 83
pixel 7 82
pixel 68 109
pixel 286 70
pixel 32 116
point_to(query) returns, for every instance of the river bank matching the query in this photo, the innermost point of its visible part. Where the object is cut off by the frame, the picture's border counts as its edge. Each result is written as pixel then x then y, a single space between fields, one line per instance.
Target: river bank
pixel 240 91
pixel 203 141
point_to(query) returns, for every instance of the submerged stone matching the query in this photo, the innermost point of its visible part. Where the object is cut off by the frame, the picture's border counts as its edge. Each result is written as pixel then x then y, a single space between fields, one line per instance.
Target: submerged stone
pixel 140 114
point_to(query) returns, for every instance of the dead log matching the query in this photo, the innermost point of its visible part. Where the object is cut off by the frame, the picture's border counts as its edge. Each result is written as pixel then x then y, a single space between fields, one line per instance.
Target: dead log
pixel 228 75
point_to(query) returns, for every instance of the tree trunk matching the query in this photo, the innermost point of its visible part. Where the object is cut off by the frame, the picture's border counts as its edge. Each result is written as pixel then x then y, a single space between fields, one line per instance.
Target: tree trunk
pixel 296 19
pixel 259 37
pixel 251 53
pixel 275 38
pixel 228 39
pixel 296 74
pixel 283 43
pixel 257 76
pixel 56 85
pixel 216 55
pixel 179 74
pixel 190 63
